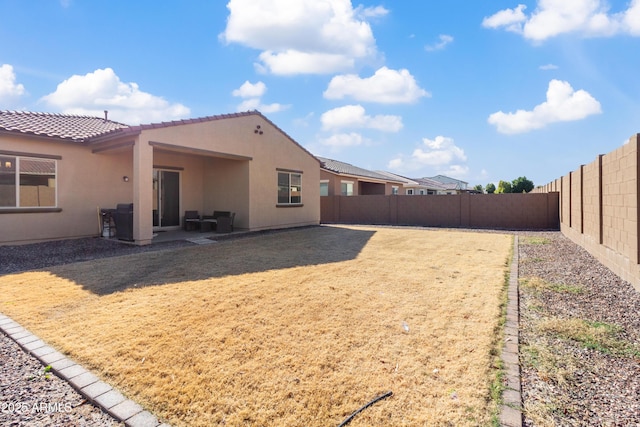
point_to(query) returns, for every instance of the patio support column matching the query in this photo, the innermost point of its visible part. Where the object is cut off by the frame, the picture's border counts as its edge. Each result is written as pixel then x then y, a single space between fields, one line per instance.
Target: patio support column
pixel 142 191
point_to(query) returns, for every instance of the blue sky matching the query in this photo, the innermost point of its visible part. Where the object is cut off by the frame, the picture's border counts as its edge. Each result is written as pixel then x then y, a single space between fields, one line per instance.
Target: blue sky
pixel 480 91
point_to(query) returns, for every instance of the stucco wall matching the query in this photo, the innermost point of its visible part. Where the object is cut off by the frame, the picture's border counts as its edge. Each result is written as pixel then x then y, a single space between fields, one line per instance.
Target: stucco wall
pixel 360 187
pixel 85 181
pixel 226 188
pixel 225 164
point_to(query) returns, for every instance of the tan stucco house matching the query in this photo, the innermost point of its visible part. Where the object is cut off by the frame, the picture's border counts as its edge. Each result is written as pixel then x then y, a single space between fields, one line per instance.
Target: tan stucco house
pixel 58 171
pixel 343 179
pixel 439 184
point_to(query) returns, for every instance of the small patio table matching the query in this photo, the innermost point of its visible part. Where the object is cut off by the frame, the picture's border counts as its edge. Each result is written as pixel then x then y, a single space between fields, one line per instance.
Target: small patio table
pixel 206 224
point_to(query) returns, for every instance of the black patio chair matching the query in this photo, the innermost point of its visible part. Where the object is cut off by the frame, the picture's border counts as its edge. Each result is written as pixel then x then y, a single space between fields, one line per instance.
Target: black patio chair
pixel 191 221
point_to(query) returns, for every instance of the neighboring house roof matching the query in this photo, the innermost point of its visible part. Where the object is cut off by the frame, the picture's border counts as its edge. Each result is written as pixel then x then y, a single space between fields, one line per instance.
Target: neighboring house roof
pixel 406 181
pixel 343 168
pixel 62 126
pixel 459 184
pixel 433 184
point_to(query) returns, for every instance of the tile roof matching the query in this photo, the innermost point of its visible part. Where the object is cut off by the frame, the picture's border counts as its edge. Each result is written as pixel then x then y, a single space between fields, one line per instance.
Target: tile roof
pixel 450 182
pixel 86 129
pixel 433 184
pixel 348 169
pixel 63 126
pixel 403 179
pixel 126 130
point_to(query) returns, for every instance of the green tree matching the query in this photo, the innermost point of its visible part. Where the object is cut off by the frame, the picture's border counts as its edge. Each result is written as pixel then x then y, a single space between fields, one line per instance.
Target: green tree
pixel 521 185
pixel 490 188
pixel 478 188
pixel 503 187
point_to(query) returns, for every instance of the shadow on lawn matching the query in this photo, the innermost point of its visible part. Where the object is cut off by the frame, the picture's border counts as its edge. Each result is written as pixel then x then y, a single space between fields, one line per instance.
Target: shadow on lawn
pixel 287 249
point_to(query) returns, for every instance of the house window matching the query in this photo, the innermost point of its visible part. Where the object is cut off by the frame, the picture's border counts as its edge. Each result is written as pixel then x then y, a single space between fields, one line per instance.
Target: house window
pixel 346 188
pixel 422 193
pixel 27 182
pixel 394 190
pixel 410 191
pixel 289 188
pixel 324 188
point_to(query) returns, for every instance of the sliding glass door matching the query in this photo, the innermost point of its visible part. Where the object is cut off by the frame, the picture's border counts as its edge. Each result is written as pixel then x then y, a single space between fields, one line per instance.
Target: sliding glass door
pixel 166 198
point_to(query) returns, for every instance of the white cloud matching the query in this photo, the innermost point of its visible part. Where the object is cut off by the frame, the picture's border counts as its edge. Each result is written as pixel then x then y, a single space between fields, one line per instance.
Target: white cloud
pixel 303 36
pixel 563 104
pixel 444 40
pixel 386 86
pixel 250 90
pixel 455 171
pixel 101 90
pixel 547 67
pixel 590 18
pixel 253 94
pixel 440 153
pixel 256 104
pixel 371 12
pixel 342 140
pixel 354 116
pixel 292 62
pixel 304 121
pixel 631 19
pixel 511 19
pixel 10 91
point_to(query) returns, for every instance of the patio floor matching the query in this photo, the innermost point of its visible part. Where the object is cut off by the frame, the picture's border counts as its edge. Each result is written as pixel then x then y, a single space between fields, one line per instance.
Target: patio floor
pixel 180 234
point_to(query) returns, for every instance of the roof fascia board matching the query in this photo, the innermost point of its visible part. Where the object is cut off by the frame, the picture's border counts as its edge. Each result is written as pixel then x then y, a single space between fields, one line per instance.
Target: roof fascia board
pixel 197 151
pixel 109 147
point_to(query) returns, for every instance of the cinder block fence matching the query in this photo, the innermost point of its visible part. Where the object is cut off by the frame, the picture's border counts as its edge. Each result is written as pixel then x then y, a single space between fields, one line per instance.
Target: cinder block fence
pixel 497 211
pixel 599 208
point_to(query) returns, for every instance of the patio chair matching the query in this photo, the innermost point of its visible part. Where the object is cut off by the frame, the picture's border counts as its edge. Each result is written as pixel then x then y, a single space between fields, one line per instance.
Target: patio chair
pixel 220 221
pixel 191 220
pixel 224 224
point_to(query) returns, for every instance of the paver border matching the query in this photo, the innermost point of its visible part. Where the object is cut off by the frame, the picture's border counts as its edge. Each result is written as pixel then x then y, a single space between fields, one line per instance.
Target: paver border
pixel 511 408
pixel 99 393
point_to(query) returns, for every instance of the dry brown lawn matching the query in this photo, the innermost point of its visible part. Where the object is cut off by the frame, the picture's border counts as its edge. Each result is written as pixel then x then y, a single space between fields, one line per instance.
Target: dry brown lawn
pixel 297 328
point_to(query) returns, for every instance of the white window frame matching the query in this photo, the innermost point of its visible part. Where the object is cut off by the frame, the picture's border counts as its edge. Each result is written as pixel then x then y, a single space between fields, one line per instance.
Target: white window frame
pixel 409 191
pixel 324 182
pixel 347 183
pixel 18 158
pixel 290 188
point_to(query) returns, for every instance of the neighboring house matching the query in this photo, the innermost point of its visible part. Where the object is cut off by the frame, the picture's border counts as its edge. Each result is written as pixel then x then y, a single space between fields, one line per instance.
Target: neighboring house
pixel 437 187
pixel 418 186
pixel 451 183
pixel 57 170
pixel 343 179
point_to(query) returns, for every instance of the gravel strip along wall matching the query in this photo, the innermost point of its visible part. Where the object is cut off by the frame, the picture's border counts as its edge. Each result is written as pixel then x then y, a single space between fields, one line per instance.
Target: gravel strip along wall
pixel 579 337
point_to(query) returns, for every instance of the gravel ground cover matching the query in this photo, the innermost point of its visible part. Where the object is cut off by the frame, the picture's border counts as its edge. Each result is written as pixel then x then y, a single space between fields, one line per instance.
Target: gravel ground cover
pixel 580 338
pixel 16 258
pixel 31 396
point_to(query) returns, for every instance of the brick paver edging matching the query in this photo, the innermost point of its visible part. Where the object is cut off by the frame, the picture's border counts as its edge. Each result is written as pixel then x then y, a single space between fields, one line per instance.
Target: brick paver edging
pixel 88 385
pixel 511 410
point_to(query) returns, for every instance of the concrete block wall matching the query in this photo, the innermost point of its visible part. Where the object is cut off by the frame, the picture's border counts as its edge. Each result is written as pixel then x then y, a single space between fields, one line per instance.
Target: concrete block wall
pixel 599 208
pixel 497 211
pixel 591 199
